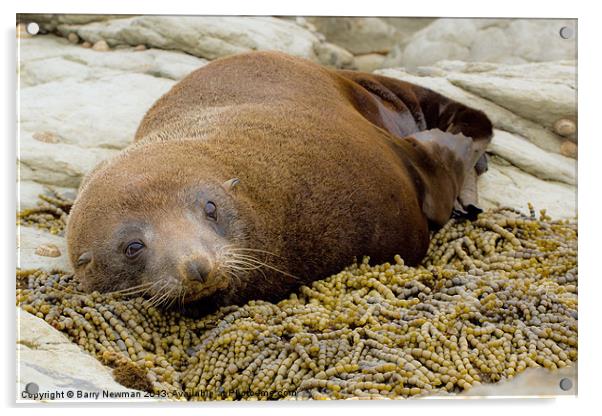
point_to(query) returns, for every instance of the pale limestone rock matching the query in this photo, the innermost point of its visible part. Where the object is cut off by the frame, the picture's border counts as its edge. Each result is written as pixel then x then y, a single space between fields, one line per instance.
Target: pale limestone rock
pixel 359 35
pixel 532 159
pixel 543 102
pixel 334 56
pixel 369 62
pixel 58 164
pixel 108 96
pixel 49 58
pixel 102 112
pixel 531 382
pixel 28 241
pixel 367 35
pixel 508 41
pixel 507 185
pixel 204 36
pixel 28 191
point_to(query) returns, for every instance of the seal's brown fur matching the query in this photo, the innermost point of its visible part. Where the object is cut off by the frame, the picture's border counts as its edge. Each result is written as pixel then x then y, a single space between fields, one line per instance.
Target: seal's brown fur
pixel 331 166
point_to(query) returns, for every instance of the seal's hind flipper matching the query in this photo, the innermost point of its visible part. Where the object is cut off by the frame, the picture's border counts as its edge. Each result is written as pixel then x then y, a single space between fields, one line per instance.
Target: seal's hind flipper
pixel 443 166
pixel 466 203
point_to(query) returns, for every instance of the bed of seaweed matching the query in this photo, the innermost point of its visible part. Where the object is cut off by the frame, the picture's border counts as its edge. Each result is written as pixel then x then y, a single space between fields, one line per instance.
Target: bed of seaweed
pixel 492 298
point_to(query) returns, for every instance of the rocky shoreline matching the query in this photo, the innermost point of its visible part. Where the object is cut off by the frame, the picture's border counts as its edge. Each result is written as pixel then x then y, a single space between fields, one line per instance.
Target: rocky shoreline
pixel 85 82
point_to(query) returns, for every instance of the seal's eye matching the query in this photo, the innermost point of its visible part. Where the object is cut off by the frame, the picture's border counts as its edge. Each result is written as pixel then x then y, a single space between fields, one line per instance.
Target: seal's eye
pixel 133 249
pixel 211 210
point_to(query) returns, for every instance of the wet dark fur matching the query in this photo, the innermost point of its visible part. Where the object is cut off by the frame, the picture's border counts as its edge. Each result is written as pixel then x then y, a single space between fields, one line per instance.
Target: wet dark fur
pixel 328 165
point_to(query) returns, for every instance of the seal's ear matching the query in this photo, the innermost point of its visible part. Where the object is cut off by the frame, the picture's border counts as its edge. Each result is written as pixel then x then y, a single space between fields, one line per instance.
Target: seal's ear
pixel 84 259
pixel 230 184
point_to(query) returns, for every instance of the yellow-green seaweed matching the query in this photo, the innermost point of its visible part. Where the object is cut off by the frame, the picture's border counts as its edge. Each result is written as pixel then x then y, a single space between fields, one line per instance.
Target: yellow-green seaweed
pixel 492 298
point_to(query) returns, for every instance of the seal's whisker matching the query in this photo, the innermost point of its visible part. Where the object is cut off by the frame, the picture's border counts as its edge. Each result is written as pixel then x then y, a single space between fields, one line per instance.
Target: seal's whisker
pixel 182 295
pixel 281 271
pixel 244 256
pixel 235 276
pixel 164 296
pixel 256 261
pixel 132 290
pixel 68 291
pixel 169 301
pixel 254 250
pixel 171 298
pixel 153 301
pixel 239 265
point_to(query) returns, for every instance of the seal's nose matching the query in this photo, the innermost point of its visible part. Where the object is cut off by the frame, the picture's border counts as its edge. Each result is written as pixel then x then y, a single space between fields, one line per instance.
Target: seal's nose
pixel 197 270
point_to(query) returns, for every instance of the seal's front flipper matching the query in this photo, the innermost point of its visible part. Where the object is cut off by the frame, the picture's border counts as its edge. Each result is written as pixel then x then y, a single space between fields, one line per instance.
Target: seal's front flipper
pixel 443 166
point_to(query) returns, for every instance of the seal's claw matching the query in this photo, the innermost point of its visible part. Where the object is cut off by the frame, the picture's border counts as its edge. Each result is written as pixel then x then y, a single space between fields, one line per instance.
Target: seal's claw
pixel 469 212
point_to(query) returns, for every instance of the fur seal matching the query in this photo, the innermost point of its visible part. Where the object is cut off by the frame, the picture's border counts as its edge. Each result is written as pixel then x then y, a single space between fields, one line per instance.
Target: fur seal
pixel 261 171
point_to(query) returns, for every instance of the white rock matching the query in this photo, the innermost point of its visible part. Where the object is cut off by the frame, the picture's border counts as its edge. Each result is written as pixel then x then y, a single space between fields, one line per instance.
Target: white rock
pixel 507 185
pixel 531 382
pixel 47 358
pixel 28 191
pixel 561 72
pixel 204 36
pixel 359 35
pixel 103 112
pixel 53 69
pixel 530 158
pixel 487 40
pixel 92 101
pixel 29 239
pixel 369 62
pixel 407 26
pixel 541 101
pixel 49 58
pixel 334 56
pixel 366 35
pixel 57 164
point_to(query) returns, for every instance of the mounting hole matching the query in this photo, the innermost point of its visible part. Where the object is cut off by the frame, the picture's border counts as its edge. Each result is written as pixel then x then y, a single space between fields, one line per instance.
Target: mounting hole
pixel 566 32
pixel 32 388
pixel 566 384
pixel 33 28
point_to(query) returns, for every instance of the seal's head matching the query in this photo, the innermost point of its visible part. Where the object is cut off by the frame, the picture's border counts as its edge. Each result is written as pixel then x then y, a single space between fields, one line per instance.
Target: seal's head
pixel 155 222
